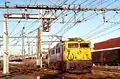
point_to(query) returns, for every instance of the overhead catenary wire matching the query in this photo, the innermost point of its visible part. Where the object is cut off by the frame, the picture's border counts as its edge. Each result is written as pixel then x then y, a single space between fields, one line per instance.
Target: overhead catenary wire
pixel 29 30
pixel 90 3
pixel 103 30
pixel 107 32
pixel 14 40
pixel 94 29
pixel 52 2
pixel 19 22
pixel 61 13
pixel 62 28
pixel 21 30
pixel 15 27
pixel 92 32
pixel 76 22
pixel 26 18
pixel 80 4
pixel 79 21
pixel 38 19
pixel 27 27
pixel 69 19
pixel 108 5
pixel 17 43
pixel 71 27
pixel 62 3
pixel 99 3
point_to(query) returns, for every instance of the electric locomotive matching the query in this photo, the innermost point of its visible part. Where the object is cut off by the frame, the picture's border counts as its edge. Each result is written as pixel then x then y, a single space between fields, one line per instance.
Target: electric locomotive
pixel 73 55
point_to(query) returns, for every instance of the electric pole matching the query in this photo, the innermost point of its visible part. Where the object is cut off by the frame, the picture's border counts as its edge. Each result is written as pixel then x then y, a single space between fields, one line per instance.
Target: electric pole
pixel 23 53
pixel 28 47
pixel 5 48
pixel 48 55
pixel 39 53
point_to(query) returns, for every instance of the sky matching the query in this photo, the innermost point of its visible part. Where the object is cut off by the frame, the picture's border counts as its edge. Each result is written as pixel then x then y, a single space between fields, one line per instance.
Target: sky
pixel 95 26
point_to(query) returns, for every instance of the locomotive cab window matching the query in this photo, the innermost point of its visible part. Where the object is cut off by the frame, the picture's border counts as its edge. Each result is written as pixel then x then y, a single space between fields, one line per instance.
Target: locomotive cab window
pixel 72 45
pixel 58 50
pixel 86 45
pixel 52 52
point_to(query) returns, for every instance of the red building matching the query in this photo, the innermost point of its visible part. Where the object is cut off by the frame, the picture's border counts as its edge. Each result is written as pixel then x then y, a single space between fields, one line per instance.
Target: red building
pixel 111 43
pixel 107 52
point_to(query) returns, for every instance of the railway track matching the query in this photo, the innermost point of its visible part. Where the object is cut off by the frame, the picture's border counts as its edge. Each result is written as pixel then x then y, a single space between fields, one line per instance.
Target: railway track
pixel 32 72
pixel 107 68
pixel 64 76
pixel 110 71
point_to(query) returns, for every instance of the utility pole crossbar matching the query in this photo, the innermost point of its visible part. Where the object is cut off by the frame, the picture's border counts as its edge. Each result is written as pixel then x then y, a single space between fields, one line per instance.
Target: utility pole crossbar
pixel 27 16
pixel 50 7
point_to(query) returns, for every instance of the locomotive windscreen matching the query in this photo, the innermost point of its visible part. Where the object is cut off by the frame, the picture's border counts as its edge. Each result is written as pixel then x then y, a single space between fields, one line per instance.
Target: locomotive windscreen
pixel 84 45
pixel 72 45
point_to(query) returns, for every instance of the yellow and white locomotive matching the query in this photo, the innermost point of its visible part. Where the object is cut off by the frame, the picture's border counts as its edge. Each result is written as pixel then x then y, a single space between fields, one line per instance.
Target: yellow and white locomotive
pixel 73 55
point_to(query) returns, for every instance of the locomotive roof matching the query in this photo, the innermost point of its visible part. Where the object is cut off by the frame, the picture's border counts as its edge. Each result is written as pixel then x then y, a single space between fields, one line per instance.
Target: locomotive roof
pixel 70 40
pixel 75 39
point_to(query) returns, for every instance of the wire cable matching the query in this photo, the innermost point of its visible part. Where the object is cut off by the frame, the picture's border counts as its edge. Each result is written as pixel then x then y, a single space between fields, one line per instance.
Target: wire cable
pixel 92 32
pixel 15 27
pixel 94 29
pixel 102 30
pixel 106 33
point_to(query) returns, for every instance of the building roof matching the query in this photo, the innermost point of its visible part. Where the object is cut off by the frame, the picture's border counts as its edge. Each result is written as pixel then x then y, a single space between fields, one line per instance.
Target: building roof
pixel 111 43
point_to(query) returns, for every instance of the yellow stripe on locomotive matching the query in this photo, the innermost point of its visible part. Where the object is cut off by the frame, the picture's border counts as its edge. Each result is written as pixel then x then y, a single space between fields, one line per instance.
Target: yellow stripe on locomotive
pixel 77 50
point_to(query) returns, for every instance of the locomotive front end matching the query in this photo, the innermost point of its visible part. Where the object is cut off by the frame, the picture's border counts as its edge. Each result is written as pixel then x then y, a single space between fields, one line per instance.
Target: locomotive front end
pixel 77 56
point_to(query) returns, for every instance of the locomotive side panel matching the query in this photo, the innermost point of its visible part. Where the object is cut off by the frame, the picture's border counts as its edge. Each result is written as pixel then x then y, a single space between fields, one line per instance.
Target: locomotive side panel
pixel 56 57
pixel 53 55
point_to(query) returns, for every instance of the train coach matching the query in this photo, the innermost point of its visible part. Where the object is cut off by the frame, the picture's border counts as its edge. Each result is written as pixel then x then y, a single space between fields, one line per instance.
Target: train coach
pixel 107 52
pixel 110 57
pixel 73 55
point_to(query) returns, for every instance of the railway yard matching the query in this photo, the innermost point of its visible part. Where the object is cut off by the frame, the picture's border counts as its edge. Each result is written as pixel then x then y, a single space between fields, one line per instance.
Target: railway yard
pixel 101 69
pixel 27 68
pixel 30 71
pixel 59 39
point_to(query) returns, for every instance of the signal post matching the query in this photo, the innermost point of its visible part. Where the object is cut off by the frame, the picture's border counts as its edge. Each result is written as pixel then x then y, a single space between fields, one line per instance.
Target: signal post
pixel 5 36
